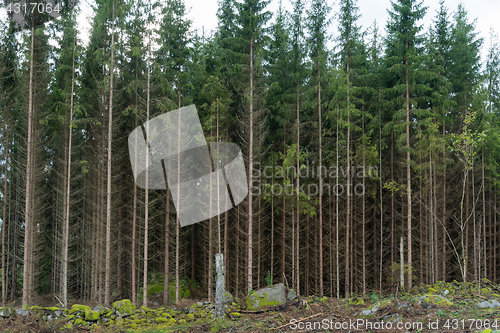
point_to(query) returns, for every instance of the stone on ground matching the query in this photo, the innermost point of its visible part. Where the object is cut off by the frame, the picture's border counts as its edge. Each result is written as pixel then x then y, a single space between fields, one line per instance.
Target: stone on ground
pixel 275 295
pixel 489 304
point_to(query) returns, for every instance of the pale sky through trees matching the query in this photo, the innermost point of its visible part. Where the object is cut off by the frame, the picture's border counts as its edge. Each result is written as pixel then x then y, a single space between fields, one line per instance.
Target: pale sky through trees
pixel 203 14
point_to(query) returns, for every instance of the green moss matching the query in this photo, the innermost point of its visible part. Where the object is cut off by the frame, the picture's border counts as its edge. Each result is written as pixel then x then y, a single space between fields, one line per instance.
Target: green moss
pixel 236 314
pixel 145 309
pixel 435 299
pixel 190 316
pixel 486 291
pixel 372 309
pixel 124 307
pixel 182 321
pixel 91 315
pixel 356 301
pixel 80 322
pixel 78 307
pixel 68 326
pixel 162 320
pixel 254 301
pixel 53 308
pixel 187 293
pixel 155 289
pixel 433 290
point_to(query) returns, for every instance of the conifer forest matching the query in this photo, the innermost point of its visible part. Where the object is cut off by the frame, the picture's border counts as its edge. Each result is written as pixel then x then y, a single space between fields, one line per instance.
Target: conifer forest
pixel 372 154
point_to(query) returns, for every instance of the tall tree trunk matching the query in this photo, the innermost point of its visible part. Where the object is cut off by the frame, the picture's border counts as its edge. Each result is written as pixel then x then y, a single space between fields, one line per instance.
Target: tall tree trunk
pixel 250 176
pixel 108 190
pixel 320 135
pixel 283 230
pixel 134 228
pixel 444 212
pixel 4 219
pixel 166 280
pixel 177 223
pixel 146 199
pixel 363 213
pixel 408 170
pixel 348 206
pixel 337 262
pixel 64 282
pixel 380 197
pixel 28 208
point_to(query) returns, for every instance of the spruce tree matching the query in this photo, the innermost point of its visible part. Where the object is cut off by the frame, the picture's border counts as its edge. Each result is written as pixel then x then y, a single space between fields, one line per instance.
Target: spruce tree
pixel 492 73
pixel 350 60
pixel 172 58
pixel 252 19
pixel 404 78
pixel 63 100
pixel 465 57
pixel 8 91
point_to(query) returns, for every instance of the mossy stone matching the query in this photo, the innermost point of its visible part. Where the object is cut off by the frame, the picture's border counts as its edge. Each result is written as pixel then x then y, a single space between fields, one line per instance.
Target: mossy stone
pixel 372 310
pixel 190 316
pixel 356 301
pixel 182 321
pixel 236 314
pixel 266 297
pixel 124 307
pixel 79 307
pixel 435 299
pixel 145 309
pixel 80 322
pixel 91 315
pixel 432 290
pixel 162 320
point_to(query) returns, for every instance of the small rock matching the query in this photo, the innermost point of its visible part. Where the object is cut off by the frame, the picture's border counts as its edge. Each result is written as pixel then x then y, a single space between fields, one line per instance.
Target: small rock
pixel 59 313
pixel 227 298
pixel 291 295
pixel 435 300
pixel 403 305
pixel 206 302
pixel 22 312
pixel 124 307
pixel 489 304
pixel 199 304
pixel 6 312
pixel 274 295
pixel 393 318
pixel 99 308
pixel 156 303
pixel 372 310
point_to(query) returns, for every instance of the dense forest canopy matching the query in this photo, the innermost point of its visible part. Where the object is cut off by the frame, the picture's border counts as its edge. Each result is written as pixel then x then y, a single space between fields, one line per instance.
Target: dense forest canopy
pixel 385 146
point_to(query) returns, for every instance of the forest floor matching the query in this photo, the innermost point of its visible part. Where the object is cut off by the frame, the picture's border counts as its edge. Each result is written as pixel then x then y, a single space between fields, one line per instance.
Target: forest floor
pixel 423 309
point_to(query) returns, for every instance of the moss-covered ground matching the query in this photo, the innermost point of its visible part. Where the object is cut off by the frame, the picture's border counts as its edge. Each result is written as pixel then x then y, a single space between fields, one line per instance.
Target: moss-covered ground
pixel 442 307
